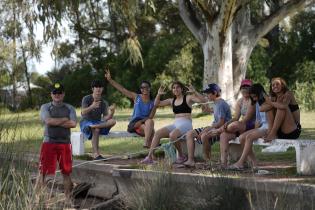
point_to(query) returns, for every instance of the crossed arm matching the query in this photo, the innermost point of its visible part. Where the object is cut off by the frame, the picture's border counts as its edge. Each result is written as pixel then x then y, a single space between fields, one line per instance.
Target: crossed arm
pixel 63 122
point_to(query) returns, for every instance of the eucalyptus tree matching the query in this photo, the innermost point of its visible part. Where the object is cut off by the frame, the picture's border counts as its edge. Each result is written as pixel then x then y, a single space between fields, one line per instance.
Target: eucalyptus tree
pixel 226 32
pixel 17 31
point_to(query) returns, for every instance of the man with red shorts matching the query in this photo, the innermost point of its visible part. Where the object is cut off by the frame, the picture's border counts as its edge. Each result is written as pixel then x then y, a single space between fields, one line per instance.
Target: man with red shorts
pixel 58 117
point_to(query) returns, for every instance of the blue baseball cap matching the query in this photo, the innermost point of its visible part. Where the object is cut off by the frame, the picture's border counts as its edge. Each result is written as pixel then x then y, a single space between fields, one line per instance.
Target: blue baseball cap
pixel 211 88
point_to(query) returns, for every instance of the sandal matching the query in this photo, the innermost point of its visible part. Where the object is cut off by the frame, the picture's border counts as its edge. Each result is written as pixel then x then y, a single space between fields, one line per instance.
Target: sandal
pixel 189 165
pixel 147 161
pixel 181 160
pixel 100 157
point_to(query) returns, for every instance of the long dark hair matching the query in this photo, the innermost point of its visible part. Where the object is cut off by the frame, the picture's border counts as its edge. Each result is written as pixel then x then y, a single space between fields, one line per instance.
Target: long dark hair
pixel 149 84
pixel 258 90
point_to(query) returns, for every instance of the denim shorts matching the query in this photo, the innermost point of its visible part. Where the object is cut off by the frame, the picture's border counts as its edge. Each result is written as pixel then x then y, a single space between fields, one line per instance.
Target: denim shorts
pixel 87 131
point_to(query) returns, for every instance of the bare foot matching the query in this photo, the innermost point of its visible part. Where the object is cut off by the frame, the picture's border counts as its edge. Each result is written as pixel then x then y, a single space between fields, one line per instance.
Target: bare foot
pixel 269 137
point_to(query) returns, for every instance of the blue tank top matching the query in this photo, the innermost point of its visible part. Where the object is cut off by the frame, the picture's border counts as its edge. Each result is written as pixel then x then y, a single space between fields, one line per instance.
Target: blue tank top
pixel 141 110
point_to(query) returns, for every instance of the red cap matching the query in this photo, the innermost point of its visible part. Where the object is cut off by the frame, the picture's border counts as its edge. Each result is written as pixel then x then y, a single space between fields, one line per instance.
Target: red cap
pixel 246 82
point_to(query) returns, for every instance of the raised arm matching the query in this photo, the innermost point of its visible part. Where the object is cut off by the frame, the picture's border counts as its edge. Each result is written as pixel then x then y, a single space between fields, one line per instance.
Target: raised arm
pixel 158 102
pixel 120 88
pixel 195 96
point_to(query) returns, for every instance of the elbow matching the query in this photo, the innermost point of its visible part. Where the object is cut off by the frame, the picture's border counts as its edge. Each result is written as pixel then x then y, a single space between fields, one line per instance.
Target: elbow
pixel 73 124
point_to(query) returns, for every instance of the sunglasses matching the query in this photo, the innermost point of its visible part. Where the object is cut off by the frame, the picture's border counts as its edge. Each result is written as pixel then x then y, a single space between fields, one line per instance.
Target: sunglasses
pixel 55 92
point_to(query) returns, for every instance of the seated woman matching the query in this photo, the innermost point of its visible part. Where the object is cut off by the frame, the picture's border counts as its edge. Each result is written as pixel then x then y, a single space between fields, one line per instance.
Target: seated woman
pixel 181 104
pixel 141 121
pixel 286 124
pixel 245 110
pixel 257 96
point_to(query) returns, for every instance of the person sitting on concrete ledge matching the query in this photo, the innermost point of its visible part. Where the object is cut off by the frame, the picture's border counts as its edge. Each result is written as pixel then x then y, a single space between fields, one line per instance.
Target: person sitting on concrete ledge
pixel 286 122
pixel 181 102
pixel 208 135
pixel 257 96
pixel 93 109
pixel 243 120
pixel 141 121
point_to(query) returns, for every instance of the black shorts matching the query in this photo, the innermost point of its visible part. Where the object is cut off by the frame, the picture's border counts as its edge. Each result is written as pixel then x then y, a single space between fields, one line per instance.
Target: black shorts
pixel 292 135
pixel 131 126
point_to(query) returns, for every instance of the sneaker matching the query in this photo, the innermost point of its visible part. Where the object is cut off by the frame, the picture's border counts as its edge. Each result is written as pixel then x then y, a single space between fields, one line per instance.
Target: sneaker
pixel 100 157
pixel 147 160
pixel 181 160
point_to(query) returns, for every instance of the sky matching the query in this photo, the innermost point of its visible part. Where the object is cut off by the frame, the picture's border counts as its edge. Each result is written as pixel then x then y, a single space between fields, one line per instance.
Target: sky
pixel 47 63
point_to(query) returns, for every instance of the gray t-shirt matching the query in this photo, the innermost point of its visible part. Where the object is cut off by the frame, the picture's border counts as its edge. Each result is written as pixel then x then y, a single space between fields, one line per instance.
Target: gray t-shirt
pixel 95 114
pixel 57 134
pixel 221 110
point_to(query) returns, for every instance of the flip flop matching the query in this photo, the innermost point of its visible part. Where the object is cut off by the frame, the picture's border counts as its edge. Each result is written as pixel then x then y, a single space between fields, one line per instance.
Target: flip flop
pixel 100 157
pixel 235 168
pixel 189 165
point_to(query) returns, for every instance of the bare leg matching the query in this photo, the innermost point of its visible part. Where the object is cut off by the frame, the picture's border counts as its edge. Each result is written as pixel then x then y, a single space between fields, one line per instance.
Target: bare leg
pixel 225 137
pixel 190 147
pixel 108 124
pixel 236 126
pixel 148 132
pixel 284 120
pixel 206 146
pixel 68 185
pixel 250 138
pixel 161 133
pixel 173 137
pixel 95 141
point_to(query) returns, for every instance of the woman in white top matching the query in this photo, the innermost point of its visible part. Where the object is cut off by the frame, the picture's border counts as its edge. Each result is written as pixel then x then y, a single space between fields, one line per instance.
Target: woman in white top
pixel 257 95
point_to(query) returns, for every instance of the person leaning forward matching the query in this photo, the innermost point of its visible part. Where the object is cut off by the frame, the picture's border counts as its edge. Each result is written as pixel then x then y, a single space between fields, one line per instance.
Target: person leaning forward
pixel 58 117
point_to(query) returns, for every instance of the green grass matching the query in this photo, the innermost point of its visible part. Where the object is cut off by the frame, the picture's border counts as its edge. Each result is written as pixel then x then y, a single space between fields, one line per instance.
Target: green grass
pixel 29 131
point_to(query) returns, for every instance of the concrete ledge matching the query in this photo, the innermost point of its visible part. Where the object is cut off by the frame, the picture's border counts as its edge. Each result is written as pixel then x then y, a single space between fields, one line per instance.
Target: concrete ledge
pixel 304 150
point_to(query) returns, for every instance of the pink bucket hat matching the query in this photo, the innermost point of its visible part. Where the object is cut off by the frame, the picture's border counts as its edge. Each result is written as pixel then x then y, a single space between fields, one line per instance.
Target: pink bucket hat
pixel 246 82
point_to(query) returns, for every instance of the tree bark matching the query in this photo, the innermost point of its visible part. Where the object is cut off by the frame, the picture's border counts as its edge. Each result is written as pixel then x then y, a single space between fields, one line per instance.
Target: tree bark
pixel 228 38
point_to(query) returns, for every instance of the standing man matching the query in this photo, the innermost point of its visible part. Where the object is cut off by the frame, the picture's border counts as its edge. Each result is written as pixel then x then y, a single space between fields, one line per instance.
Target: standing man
pixel 58 117
pixel 96 117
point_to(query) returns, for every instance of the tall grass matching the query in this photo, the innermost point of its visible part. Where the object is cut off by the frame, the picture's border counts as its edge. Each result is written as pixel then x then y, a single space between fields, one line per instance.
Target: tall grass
pixel 16 187
pixel 166 191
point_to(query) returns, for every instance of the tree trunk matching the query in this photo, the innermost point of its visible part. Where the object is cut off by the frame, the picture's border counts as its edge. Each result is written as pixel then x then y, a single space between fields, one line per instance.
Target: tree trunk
pixel 218 62
pixel 27 76
pixel 228 37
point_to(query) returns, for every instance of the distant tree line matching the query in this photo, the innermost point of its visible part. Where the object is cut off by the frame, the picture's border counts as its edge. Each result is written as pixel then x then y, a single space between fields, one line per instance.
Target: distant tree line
pixel 169 51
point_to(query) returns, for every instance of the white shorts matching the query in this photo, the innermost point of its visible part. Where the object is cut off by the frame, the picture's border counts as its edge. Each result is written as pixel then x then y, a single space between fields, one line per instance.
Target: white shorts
pixel 182 124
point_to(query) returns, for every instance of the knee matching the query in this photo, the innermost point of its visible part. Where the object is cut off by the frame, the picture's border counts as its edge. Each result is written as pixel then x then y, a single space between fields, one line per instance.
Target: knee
pixel 249 138
pixel 149 122
pixel 158 134
pixel 112 122
pixel 96 131
pixel 173 136
pixel 204 138
pixel 190 134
